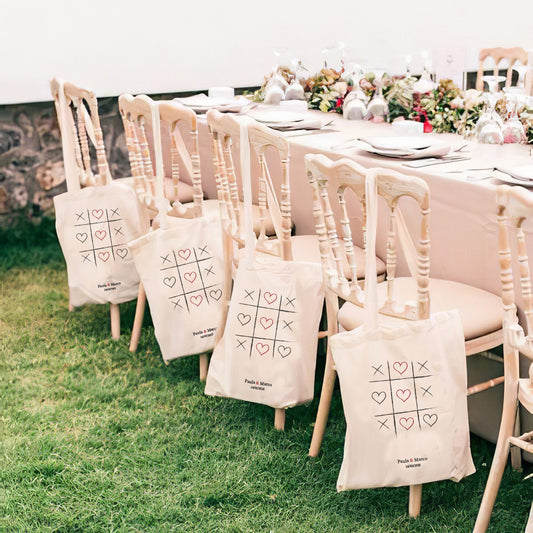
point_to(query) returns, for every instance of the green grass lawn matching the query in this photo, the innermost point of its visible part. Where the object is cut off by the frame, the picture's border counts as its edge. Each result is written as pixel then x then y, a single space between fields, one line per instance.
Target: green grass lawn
pixel 94 438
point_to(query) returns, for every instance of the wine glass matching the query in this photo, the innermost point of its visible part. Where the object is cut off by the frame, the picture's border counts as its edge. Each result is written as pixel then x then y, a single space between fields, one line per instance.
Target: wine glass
pixel 489 126
pixel 378 106
pixel 513 129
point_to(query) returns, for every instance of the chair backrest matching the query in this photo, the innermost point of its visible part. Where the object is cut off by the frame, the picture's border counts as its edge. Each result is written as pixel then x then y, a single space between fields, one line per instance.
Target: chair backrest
pixel 515 207
pixel 331 181
pixel 225 131
pixel 83 141
pixel 144 152
pixel 512 55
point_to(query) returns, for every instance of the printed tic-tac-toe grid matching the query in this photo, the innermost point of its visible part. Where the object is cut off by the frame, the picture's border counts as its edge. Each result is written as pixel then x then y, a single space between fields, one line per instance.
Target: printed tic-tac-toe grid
pixel 402 395
pixel 190 279
pixel 101 234
pixel 265 324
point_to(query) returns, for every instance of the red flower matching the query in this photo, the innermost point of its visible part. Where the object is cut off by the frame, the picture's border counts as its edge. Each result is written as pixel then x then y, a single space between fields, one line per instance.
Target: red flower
pixel 428 128
pixel 339 102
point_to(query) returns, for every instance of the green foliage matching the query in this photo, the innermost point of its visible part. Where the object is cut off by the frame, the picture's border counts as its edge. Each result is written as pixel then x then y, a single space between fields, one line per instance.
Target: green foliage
pixel 94 438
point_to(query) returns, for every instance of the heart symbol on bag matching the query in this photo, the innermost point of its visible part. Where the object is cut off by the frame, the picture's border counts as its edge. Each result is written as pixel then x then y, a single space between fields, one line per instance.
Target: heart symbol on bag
pixel 101 234
pixel 403 394
pixel 196 300
pixel 215 294
pixel 243 319
pixel 190 276
pixel 266 322
pixel 270 297
pixel 262 348
pixel 400 367
pixel 97 213
pixel 122 252
pixel 379 397
pixel 430 420
pixel 284 351
pixel 184 254
pixel 82 237
pixel 407 423
pixel 104 256
pixel 170 281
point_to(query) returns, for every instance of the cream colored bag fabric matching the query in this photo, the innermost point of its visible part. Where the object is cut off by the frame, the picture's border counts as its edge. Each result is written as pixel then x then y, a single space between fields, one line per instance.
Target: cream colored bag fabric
pixel 268 351
pixel 182 271
pixel 404 394
pixel 93 226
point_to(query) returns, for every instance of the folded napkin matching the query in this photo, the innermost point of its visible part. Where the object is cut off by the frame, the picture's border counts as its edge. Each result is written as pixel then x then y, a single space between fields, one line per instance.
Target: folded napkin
pixel 403 147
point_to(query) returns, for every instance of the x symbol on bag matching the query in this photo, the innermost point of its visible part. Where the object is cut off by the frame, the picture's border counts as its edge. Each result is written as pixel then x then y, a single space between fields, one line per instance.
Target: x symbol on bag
pixel 290 301
pixel 203 250
pixel 209 270
pixel 114 212
pixel 86 258
pixel 241 344
pixel 383 424
pixel 288 324
pixel 249 294
pixel 80 216
pixel 426 391
pixel 377 369
pixel 177 303
pixel 422 366
pixel 165 259
pixel 118 231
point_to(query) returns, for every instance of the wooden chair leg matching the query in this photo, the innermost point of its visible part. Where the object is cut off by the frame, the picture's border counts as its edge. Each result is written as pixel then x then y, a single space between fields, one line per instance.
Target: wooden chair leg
pixel 324 405
pixel 516 453
pixel 204 364
pixel 501 453
pixel 330 375
pixel 138 320
pixel 415 500
pixel 70 306
pixel 115 321
pixel 279 419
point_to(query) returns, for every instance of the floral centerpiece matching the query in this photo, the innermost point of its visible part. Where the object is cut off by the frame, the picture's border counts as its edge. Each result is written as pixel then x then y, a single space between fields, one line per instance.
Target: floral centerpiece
pixel 445 108
pixel 326 90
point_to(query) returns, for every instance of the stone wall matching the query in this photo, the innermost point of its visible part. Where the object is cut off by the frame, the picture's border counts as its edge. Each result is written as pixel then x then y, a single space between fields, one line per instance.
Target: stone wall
pixel 31 160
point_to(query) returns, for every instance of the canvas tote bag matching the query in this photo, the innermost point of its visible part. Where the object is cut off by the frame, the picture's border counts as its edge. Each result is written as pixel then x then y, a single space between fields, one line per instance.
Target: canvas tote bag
pixel 267 353
pixel 182 270
pixel 404 393
pixel 93 226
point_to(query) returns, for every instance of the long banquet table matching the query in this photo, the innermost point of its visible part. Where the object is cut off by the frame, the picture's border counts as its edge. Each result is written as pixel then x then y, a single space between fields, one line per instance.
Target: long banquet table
pixel 463 224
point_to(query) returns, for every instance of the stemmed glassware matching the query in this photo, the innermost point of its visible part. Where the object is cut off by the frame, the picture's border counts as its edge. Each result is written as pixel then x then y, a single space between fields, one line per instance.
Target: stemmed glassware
pixel 513 129
pixel 489 125
pixel 378 106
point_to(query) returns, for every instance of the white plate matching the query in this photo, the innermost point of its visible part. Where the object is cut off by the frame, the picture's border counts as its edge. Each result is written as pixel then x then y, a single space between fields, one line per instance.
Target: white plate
pixel 398 143
pixel 275 117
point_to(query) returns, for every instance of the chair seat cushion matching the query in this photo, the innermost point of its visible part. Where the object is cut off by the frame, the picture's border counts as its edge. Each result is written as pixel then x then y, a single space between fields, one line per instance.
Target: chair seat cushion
pixel 480 311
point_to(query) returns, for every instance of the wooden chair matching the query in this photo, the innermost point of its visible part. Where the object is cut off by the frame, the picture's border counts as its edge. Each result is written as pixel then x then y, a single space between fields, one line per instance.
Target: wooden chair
pixel 267 148
pixel 479 310
pixel 512 55
pixel 83 147
pixel 146 158
pixel 515 206
pixel 135 112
